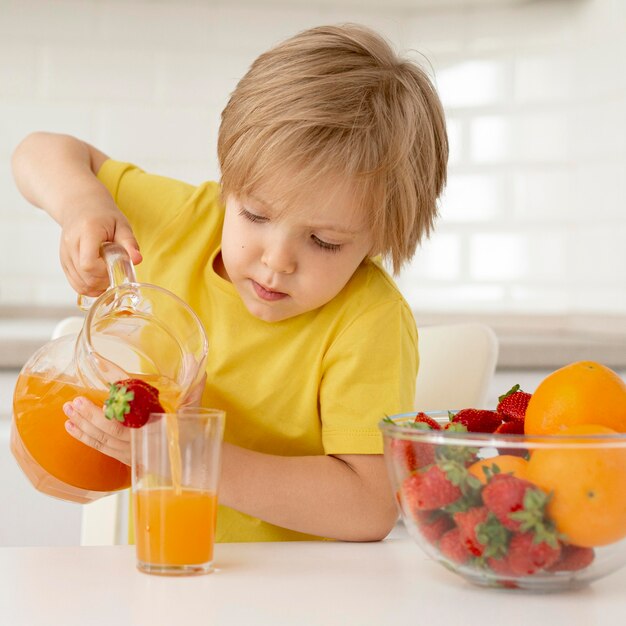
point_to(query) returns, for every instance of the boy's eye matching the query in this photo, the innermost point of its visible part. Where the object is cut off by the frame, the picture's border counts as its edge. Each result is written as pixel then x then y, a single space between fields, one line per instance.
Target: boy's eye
pixel 331 247
pixel 253 217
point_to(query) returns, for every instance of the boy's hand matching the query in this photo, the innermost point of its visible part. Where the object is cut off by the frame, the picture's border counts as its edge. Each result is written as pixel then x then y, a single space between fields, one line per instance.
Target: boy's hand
pixel 86 422
pixel 59 174
pixel 81 238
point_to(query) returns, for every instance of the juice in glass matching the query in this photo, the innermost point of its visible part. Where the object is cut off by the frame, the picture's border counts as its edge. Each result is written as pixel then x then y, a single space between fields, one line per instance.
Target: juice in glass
pixel 175 529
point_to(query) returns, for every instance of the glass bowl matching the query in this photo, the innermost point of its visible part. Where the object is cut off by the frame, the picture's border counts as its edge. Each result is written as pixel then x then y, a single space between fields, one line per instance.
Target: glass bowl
pixel 532 512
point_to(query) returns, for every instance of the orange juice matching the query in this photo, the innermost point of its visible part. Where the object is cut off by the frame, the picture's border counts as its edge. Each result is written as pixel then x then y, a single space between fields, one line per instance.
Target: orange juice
pixel 40 422
pixel 175 528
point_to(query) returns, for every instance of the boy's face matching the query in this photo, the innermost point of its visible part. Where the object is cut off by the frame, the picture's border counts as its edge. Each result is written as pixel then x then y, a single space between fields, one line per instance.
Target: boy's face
pixel 287 260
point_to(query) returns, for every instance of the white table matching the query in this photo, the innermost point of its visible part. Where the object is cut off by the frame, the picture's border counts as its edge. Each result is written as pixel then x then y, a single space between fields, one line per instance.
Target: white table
pixel 378 584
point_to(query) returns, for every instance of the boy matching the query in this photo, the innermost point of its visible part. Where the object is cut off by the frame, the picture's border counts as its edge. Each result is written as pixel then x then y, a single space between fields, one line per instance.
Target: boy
pixel 332 151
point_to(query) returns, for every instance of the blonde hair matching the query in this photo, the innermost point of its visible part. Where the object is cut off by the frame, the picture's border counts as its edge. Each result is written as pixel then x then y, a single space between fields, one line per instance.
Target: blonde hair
pixel 337 101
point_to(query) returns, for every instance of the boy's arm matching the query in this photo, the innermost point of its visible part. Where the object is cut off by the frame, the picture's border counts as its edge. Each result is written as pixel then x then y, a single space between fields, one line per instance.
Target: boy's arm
pixel 346 497
pixel 58 174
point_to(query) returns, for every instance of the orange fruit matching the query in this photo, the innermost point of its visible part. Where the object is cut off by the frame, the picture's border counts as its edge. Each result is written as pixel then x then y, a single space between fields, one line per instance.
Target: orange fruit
pixel 580 393
pixel 507 464
pixel 588 487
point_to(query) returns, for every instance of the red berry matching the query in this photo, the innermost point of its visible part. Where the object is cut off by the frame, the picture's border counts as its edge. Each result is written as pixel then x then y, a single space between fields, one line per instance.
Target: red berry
pixel 573 558
pixel 411 455
pixel 422 418
pixel 452 548
pixel 424 491
pixel 514 427
pixel 504 494
pixel 512 405
pixel 433 526
pixel 478 420
pixel 134 383
pixel 131 401
pixel 500 566
pixel 402 452
pixel 467 523
pixel 526 557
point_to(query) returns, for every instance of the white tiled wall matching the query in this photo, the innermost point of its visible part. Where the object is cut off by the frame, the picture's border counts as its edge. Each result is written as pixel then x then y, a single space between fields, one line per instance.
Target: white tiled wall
pixel 534 217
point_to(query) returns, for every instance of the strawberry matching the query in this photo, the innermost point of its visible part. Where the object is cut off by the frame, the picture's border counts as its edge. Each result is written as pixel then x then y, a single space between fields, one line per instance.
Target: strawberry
pixel 468 523
pixel 433 525
pixel 500 566
pixel 512 405
pixel 402 453
pixel 520 506
pixel 411 455
pixel 131 401
pixel 506 496
pixel 514 427
pixel 137 382
pixel 572 558
pixel 526 555
pixel 481 533
pixel 452 548
pixel 424 491
pixel 422 418
pixel 455 428
pixel 477 420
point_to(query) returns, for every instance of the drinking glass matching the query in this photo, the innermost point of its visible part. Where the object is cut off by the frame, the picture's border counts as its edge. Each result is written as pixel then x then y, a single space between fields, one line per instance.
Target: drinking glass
pixel 175 476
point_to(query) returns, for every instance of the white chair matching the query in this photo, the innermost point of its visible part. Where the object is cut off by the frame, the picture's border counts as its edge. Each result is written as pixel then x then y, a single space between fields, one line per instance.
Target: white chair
pixel 104 522
pixel 457 363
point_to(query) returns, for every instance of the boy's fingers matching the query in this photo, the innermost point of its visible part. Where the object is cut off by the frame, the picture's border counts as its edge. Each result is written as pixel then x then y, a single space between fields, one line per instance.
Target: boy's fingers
pixel 124 236
pixel 89 259
pixel 91 419
pixel 73 278
pixel 102 440
pixel 121 454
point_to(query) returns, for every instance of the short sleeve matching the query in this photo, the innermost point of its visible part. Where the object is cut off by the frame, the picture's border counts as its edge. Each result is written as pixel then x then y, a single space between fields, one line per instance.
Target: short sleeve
pixel 150 202
pixel 369 372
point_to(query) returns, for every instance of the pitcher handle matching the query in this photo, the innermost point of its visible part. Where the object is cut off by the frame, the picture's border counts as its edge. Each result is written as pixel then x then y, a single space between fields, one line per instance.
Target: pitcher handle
pixel 119 267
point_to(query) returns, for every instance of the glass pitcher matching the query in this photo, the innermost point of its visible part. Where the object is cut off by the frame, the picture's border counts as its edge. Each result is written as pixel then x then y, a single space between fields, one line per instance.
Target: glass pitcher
pixel 133 330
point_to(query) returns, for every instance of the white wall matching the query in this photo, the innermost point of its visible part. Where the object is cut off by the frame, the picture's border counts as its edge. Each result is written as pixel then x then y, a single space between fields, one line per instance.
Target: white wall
pixel 534 217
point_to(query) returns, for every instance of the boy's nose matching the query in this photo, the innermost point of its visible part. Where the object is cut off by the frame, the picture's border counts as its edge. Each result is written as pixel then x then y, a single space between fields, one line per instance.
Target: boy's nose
pixel 279 256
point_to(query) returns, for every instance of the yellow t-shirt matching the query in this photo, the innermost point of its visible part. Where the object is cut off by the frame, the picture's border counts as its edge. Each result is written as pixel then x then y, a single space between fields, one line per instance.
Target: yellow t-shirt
pixel 314 384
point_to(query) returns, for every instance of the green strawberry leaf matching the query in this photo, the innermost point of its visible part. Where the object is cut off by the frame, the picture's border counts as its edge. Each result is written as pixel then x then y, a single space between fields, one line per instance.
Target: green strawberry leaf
pixel 456 427
pixel 494 536
pixel 461 454
pixel 510 392
pixel 490 471
pixel 533 517
pixel 117 404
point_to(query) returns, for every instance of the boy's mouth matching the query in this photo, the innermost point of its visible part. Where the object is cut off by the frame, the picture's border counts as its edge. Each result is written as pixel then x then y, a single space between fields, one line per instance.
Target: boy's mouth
pixel 267 294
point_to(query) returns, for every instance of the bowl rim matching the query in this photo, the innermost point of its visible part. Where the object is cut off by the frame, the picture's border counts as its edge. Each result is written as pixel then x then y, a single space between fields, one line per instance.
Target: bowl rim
pixel 396 430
